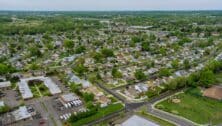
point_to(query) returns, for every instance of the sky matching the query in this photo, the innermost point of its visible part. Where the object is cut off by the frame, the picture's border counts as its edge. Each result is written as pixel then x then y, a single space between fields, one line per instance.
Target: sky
pixel 109 5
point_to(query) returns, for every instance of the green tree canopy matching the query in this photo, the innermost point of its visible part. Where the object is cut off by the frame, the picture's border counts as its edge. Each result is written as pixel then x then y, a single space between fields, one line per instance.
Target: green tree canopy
pixel 69 44
pixel 140 75
pixel 116 73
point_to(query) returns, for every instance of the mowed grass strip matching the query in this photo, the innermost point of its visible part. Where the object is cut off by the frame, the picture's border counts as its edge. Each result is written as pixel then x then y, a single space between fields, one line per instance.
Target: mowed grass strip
pixel 101 113
pixel 196 108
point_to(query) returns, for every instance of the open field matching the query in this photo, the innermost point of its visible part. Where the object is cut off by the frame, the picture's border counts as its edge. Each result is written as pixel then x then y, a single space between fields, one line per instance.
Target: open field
pixel 191 105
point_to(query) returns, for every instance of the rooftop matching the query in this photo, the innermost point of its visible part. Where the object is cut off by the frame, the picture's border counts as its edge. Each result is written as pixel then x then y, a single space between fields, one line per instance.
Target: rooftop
pixel 5 84
pixel 69 97
pixel 26 92
pixel 2 103
pixel 21 113
pixel 138 121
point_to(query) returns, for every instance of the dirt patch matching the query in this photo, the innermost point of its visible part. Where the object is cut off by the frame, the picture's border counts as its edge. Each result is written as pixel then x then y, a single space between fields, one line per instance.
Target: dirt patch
pixel 214 92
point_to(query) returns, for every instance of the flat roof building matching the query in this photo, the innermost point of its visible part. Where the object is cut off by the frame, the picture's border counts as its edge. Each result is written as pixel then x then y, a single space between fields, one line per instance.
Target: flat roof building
pixel 2 104
pixel 26 92
pixel 137 121
pixel 21 113
pixel 24 89
pixel 4 85
pixel 66 98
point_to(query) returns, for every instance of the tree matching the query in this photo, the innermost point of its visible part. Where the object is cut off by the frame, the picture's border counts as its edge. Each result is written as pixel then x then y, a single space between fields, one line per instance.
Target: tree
pixel 34 66
pixel 175 64
pixel 186 64
pixel 145 46
pixel 139 75
pixel 116 73
pixel 68 44
pixel 76 88
pixel 152 37
pixel 34 51
pixel 172 85
pixel 98 57
pixel 107 52
pixel 136 39
pixel 149 64
pixel 184 40
pixel 215 66
pixel 164 72
pixel 207 78
pixel 4 109
pixel 3 69
pixel 132 44
pixel 88 97
pixel 80 69
pixel 80 49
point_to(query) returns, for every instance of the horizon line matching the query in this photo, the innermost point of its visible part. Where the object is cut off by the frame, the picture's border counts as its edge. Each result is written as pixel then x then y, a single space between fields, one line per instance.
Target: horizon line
pixel 135 10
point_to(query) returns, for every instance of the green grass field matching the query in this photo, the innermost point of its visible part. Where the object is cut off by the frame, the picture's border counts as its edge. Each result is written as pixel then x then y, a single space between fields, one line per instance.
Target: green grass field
pixel 39 90
pixel 194 107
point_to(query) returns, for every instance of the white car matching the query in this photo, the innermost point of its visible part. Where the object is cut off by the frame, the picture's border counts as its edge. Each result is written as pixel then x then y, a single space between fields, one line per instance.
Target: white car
pixel 65 117
pixel 66 105
pixel 61 117
pixel 76 104
pixel 69 104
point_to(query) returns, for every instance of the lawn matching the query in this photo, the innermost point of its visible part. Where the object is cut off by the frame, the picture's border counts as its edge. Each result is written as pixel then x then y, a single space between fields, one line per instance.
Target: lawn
pixel 194 107
pixel 219 78
pixel 101 112
pixel 39 90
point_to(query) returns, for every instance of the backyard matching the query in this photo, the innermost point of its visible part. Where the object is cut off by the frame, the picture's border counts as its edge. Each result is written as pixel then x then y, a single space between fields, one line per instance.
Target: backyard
pixel 193 106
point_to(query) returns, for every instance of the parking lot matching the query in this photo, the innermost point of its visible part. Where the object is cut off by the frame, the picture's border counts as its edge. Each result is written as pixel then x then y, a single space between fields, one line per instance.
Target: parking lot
pixel 65 111
pixel 50 111
pixel 11 98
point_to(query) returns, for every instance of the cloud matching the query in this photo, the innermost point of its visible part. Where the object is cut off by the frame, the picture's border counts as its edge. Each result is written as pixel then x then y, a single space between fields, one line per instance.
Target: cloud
pixel 110 4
